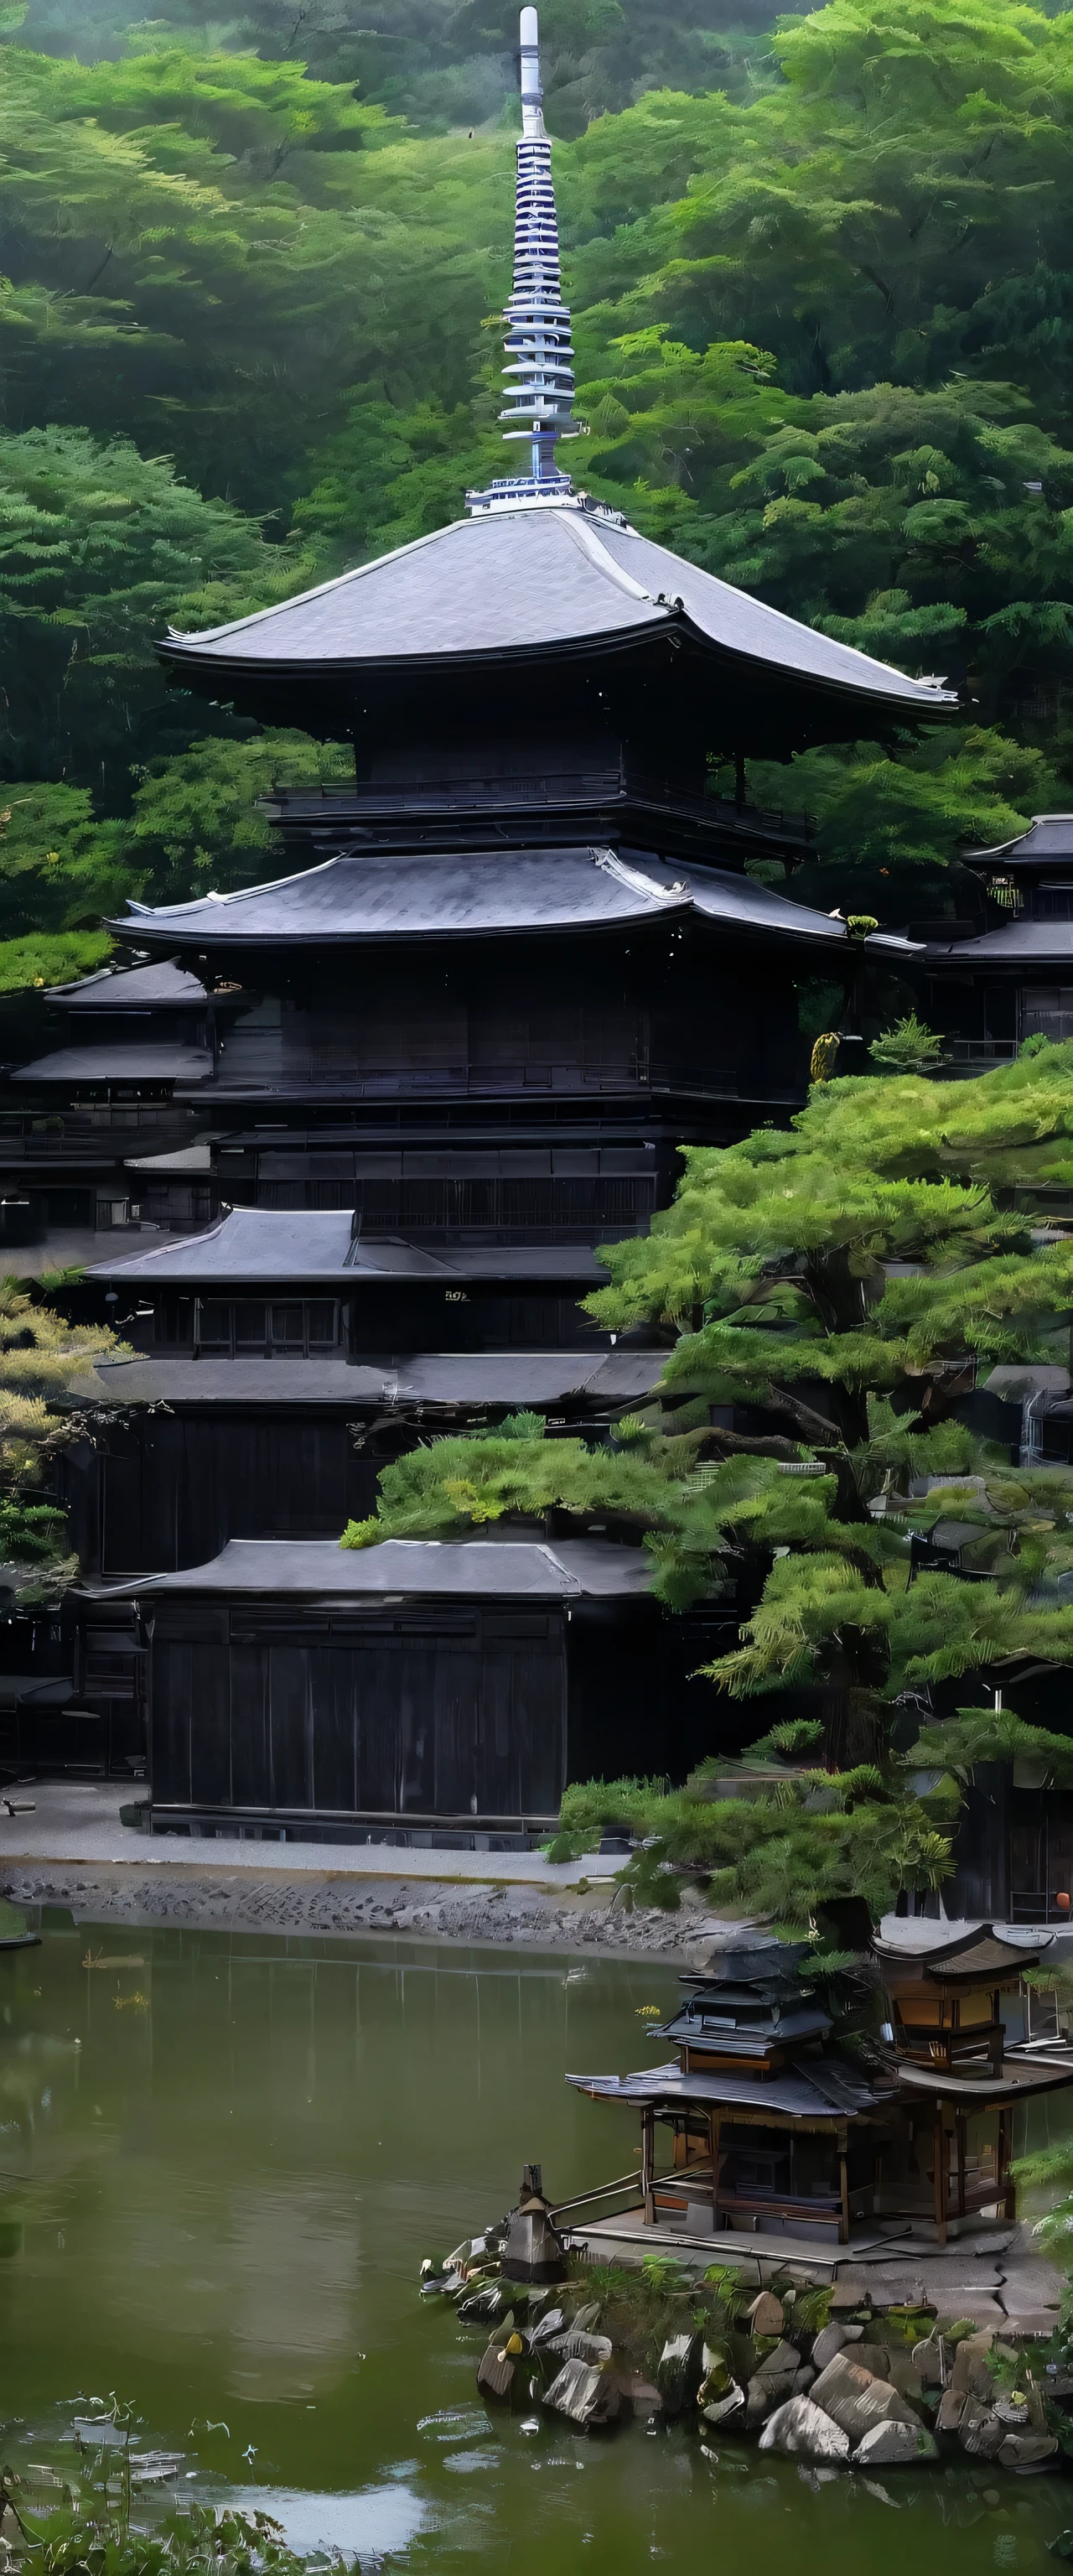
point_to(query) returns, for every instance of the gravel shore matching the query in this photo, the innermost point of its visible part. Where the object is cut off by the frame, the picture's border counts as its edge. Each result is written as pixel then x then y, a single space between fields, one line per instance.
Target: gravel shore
pixel 342 1903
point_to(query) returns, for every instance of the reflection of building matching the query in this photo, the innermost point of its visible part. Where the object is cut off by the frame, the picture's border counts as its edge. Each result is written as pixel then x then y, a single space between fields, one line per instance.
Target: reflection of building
pixel 515 965
pixel 776 2129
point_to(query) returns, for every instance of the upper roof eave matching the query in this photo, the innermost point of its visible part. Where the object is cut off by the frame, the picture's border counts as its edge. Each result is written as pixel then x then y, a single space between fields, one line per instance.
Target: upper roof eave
pixel 491 589
pixel 916 700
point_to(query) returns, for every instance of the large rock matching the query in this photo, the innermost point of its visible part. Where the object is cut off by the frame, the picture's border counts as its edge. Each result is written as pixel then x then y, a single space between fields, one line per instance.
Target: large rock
pixel 495 2371
pixel 765 2315
pixel 893 2445
pixel 724 2409
pixel 873 2357
pixel 981 2432
pixel 832 2339
pixel 1026 2450
pixel 546 2329
pixel 572 2345
pixel 952 2406
pixel 772 2383
pixel 680 2370
pixel 850 2292
pixel 856 2401
pixel 804 2432
pixel 969 2371
pixel 587 2395
pixel 928 2361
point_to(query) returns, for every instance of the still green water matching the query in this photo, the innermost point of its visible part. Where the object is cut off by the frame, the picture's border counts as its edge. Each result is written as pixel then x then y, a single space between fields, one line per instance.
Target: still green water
pixel 220 2166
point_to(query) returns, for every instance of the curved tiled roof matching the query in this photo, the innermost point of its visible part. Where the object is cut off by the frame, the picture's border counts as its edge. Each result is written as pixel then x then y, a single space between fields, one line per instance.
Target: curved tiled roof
pixel 1047 842
pixel 318 1244
pixel 320 1568
pixel 393 895
pixel 1014 943
pixel 530 580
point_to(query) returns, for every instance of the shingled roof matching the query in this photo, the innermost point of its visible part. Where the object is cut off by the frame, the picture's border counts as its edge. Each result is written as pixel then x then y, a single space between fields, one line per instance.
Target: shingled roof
pixel 394 894
pixel 532 580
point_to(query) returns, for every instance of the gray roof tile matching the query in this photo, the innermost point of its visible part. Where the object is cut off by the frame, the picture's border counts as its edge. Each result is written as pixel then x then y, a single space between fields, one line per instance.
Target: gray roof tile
pixel 267 1244
pixel 528 580
pixel 320 1569
pixel 400 895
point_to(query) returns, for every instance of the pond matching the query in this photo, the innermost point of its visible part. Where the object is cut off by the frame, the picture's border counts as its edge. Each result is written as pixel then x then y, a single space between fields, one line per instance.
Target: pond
pixel 222 2159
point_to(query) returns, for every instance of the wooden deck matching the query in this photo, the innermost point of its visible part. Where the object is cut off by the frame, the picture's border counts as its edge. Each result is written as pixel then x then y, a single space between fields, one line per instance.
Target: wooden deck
pixel 627 2239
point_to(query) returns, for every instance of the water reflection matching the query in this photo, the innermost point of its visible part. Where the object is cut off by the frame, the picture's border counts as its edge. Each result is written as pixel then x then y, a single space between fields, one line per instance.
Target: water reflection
pixel 221 2160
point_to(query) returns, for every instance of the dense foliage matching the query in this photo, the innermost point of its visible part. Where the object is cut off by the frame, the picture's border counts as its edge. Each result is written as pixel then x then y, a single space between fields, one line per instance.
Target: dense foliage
pixel 822 294
pixel 835 1286
pixel 42 1358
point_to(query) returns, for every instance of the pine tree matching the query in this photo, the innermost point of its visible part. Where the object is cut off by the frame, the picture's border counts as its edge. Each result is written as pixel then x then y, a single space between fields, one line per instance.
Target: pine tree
pixel 839 1283
pixel 42 1359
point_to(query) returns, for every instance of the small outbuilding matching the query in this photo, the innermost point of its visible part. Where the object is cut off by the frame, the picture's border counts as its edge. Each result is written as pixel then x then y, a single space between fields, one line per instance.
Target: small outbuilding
pixel 419 1687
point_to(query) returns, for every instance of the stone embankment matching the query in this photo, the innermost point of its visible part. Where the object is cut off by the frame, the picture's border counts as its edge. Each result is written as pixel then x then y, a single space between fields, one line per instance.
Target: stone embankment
pixel 344 1902
pixel 872 2373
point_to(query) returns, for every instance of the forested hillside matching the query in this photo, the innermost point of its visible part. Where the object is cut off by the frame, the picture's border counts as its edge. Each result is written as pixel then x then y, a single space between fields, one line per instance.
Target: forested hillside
pixel 824 320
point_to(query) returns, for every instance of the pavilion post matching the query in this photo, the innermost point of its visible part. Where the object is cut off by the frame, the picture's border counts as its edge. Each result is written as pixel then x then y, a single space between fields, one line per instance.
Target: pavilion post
pixel 1006 2194
pixel 942 2174
pixel 648 2153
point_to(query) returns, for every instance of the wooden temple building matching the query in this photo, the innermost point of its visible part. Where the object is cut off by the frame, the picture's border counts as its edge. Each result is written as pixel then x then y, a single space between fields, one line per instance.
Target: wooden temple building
pixel 1009 978
pixel 763 2122
pixel 351 1139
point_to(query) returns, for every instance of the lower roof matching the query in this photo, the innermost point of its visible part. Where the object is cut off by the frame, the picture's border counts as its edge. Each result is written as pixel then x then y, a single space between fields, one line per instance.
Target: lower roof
pixel 266 1245
pixel 321 1570
pixel 517 1378
pixel 792 2092
pixel 133 988
pixel 120 1060
pixel 1015 943
pixel 375 896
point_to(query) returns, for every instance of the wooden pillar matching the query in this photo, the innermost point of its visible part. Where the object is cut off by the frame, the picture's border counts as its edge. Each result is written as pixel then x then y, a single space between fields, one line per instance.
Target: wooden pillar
pixel 843 2187
pixel 714 2127
pixel 942 2174
pixel 1006 2194
pixel 961 2125
pixel 648 2154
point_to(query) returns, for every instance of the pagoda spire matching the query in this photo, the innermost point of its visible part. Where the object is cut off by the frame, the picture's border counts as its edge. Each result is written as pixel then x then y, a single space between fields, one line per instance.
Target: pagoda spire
pixel 538 376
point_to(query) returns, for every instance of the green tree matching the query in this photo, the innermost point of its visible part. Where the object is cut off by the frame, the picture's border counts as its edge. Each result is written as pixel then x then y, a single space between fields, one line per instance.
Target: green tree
pixel 60 869
pixel 839 1281
pixel 100 550
pixel 194 821
pixel 42 1358
pixel 891 209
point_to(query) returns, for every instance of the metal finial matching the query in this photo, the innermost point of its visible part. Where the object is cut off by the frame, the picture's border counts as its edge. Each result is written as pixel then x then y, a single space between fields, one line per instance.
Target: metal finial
pixel 538 376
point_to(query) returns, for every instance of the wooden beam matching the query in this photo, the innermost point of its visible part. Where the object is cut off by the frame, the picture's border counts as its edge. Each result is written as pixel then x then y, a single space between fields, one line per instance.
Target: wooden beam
pixel 648 2157
pixel 942 2174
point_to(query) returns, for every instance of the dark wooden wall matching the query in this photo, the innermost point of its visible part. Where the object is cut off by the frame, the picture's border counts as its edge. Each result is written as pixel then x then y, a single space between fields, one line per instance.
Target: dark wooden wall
pixel 444 1711
pixel 169 1491
pixel 436 1709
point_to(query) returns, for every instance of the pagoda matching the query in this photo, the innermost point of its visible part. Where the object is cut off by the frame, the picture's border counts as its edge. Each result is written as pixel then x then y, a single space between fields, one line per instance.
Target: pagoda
pixel 781 2124
pixel 401 1094
pixel 1009 977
